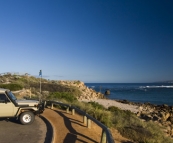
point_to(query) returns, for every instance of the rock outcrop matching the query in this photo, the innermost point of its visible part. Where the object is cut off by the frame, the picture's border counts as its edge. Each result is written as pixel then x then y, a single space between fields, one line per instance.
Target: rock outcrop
pixel 160 114
pixel 86 93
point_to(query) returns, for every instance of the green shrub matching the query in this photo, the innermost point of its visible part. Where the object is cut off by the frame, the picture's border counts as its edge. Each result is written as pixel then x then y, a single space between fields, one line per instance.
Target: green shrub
pixel 96 105
pixel 23 79
pixel 95 110
pixel 103 116
pixel 149 132
pixel 113 109
pixel 11 86
pixel 62 95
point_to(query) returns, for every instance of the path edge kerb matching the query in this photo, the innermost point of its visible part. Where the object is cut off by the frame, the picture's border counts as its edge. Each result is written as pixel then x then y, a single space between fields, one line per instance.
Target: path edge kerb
pixel 50 125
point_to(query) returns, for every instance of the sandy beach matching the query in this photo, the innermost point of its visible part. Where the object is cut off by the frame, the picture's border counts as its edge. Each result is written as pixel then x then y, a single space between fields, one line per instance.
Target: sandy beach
pixel 108 102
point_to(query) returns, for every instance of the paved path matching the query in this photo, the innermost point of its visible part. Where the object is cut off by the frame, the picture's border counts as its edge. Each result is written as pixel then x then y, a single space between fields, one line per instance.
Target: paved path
pixel 11 131
pixel 70 128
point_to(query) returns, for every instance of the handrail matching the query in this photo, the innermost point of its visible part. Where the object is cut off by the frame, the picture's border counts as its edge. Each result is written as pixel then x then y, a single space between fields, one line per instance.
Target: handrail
pixel 109 138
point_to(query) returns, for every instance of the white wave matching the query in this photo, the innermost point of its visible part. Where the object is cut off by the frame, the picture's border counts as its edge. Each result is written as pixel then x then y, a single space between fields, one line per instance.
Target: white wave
pixel 153 86
pixel 92 86
pixel 142 87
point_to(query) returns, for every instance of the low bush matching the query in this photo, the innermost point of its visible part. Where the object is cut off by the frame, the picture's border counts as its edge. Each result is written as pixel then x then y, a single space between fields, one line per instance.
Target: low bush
pixel 95 110
pixel 12 86
pixel 62 95
pixel 96 105
pixel 103 116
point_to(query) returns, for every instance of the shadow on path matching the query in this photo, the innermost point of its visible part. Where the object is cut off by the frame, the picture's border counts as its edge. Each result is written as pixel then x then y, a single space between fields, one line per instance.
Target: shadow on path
pixel 13 120
pixel 72 136
pixel 49 133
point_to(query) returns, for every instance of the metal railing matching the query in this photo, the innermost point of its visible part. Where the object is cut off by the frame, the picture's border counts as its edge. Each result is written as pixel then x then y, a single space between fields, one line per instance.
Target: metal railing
pixel 106 136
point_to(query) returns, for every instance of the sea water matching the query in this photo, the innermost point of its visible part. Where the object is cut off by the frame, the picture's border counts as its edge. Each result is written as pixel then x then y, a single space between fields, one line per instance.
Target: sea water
pixel 154 93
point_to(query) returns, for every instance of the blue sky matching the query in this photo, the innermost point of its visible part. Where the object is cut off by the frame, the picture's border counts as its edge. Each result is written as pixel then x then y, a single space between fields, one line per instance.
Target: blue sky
pixel 88 40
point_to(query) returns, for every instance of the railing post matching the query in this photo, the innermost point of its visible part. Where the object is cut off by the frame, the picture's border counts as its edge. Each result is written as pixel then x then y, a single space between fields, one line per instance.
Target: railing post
pixel 84 120
pixel 73 111
pixel 89 123
pixel 67 110
pixel 45 103
pixel 103 137
pixel 52 106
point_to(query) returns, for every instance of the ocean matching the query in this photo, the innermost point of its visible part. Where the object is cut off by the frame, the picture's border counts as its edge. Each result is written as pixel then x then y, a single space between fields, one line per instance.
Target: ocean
pixel 154 93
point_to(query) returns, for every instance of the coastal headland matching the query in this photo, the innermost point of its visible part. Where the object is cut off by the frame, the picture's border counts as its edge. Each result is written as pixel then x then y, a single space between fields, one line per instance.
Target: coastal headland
pixel 162 115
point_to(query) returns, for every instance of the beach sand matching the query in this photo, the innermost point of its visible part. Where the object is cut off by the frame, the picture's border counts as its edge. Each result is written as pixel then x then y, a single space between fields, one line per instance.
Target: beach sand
pixel 108 102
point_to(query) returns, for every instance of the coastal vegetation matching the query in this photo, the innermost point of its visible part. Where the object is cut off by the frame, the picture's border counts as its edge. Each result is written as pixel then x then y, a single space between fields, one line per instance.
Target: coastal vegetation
pixel 12 86
pixel 69 97
pixel 126 122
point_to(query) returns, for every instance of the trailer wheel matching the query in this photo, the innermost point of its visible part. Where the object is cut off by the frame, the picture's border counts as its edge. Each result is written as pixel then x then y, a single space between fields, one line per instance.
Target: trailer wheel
pixel 27 118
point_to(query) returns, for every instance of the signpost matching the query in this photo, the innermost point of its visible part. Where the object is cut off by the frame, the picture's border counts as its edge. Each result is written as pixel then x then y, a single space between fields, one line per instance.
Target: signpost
pixel 40 74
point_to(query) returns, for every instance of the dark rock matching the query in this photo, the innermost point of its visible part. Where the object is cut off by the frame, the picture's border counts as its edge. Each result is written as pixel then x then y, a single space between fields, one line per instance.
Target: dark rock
pixel 170 119
pixel 146 117
pixel 155 118
pixel 107 92
pixel 126 101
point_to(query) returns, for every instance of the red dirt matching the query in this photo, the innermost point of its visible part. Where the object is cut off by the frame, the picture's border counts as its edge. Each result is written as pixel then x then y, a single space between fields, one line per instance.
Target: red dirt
pixel 70 128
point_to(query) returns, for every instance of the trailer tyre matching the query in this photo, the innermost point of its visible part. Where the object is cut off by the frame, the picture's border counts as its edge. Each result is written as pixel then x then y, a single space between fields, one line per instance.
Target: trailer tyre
pixel 27 118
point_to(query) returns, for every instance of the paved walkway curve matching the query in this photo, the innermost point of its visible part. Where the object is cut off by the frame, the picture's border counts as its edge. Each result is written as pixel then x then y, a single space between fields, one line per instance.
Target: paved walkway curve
pixel 69 128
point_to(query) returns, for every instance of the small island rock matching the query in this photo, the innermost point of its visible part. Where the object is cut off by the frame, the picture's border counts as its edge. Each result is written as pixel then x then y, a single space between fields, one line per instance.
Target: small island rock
pixel 107 92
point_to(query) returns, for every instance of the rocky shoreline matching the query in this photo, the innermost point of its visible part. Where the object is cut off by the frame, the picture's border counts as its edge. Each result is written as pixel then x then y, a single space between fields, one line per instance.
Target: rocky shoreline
pixel 161 114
